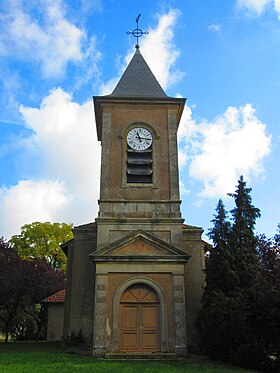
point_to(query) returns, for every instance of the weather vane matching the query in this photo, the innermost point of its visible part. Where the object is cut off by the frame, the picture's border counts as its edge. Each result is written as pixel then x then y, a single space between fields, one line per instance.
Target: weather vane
pixel 137 32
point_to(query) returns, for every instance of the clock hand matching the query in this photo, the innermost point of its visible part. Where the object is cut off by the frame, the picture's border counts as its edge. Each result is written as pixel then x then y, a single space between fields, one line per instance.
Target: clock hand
pixel 139 138
pixel 144 138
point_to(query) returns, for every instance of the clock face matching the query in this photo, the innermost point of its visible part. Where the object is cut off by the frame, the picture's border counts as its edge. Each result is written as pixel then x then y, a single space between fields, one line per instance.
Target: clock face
pixel 139 138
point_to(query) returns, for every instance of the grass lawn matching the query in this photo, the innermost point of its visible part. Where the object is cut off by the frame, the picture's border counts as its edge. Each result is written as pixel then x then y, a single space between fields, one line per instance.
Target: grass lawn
pixel 47 357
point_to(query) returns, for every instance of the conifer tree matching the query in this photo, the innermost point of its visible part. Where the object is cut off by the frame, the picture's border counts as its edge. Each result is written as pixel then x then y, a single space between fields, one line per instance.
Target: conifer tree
pixel 220 311
pixel 269 294
pixel 243 240
pixel 219 270
pixel 226 322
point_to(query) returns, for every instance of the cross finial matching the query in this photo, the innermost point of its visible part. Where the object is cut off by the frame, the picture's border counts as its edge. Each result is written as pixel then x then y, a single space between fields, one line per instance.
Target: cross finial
pixel 137 32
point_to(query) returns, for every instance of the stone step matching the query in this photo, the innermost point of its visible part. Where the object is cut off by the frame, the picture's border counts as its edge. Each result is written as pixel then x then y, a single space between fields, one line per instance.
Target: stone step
pixel 140 356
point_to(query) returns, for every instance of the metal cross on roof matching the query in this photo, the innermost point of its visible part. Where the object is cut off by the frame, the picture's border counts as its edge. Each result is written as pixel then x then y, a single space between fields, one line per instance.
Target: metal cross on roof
pixel 137 32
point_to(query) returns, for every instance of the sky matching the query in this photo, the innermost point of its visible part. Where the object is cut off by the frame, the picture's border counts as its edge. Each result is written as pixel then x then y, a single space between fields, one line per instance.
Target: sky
pixel 223 56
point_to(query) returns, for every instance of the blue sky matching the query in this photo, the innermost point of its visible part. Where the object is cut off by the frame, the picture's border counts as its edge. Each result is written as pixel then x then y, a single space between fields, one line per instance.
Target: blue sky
pixel 223 56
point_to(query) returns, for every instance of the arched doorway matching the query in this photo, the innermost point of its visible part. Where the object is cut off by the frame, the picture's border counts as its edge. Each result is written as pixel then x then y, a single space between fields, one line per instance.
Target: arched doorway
pixel 139 319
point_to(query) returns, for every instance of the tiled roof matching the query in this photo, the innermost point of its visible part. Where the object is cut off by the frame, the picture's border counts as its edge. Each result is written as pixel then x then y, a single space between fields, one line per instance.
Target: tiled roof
pixel 56 298
pixel 138 80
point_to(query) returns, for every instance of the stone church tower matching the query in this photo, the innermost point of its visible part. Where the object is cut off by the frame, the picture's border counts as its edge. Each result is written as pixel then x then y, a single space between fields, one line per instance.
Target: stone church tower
pixel 135 275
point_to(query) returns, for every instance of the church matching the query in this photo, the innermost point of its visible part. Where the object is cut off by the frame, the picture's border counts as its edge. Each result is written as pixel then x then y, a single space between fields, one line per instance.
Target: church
pixel 135 275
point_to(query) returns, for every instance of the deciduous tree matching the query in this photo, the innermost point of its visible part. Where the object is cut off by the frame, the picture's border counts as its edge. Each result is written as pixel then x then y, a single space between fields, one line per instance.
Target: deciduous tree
pixel 43 240
pixel 43 281
pixel 23 285
pixel 12 285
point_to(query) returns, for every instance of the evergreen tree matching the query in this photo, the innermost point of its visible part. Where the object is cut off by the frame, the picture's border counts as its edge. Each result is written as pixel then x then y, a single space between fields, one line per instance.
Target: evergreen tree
pixel 208 317
pixel 243 240
pixel 228 323
pixel 221 319
pixel 269 294
pixel 219 273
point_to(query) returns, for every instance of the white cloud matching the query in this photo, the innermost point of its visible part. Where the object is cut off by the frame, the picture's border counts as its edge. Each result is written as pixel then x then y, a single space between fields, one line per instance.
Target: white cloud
pixel 159 52
pixel 215 28
pixel 183 189
pixel 30 201
pixel 187 133
pixel 255 6
pixel 65 133
pixel 68 164
pixel 234 144
pixel 53 41
pixel 277 7
pixel 88 6
pixel 108 87
pixel 258 7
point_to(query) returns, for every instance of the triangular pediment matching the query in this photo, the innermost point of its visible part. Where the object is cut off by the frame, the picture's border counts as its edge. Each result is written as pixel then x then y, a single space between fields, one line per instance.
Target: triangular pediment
pixel 139 246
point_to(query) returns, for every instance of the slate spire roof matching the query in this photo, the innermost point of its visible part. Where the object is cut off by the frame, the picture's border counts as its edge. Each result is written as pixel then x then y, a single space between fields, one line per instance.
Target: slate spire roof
pixel 138 80
pixel 137 84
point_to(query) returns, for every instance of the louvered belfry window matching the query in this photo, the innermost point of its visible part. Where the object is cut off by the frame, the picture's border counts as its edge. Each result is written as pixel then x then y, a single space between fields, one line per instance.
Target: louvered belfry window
pixel 139 165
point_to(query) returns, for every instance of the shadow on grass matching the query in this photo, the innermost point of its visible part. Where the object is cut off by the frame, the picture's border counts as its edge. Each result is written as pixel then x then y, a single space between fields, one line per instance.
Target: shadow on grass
pixel 21 357
pixel 23 347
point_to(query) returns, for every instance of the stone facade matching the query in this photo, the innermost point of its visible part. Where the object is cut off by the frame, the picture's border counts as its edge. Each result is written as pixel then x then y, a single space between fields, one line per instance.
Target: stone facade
pixel 138 236
pixel 55 322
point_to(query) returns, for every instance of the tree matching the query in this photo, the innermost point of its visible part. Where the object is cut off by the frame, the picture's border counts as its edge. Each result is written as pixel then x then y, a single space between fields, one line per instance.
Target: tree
pixel 222 312
pixel 43 240
pixel 11 285
pixel 269 256
pixel 23 285
pixel 233 323
pixel 42 281
pixel 243 240
pixel 219 270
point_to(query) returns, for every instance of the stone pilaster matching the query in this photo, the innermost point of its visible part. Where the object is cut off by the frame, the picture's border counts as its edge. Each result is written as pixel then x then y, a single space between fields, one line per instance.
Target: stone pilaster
pixel 100 312
pixel 180 316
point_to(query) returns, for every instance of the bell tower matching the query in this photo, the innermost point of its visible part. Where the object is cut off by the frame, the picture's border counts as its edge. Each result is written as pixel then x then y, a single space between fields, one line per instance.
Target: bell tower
pixel 137 126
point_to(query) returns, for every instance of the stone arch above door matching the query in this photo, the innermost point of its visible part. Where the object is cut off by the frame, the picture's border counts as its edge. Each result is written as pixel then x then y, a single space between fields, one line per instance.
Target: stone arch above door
pixel 162 309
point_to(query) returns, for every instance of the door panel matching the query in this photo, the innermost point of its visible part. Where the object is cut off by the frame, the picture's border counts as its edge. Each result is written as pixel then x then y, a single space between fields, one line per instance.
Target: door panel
pixel 130 341
pixel 130 327
pixel 130 317
pixel 150 317
pixel 149 332
pixel 149 341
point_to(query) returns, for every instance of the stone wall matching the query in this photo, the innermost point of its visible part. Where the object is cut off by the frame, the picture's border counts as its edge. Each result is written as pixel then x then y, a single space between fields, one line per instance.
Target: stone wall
pixel 55 321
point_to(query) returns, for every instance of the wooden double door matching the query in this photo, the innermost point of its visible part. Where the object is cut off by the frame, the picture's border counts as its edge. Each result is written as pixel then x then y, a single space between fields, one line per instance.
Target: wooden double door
pixel 139 323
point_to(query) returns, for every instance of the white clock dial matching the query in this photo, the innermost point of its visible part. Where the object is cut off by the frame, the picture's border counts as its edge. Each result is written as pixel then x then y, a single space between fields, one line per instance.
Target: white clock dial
pixel 139 138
